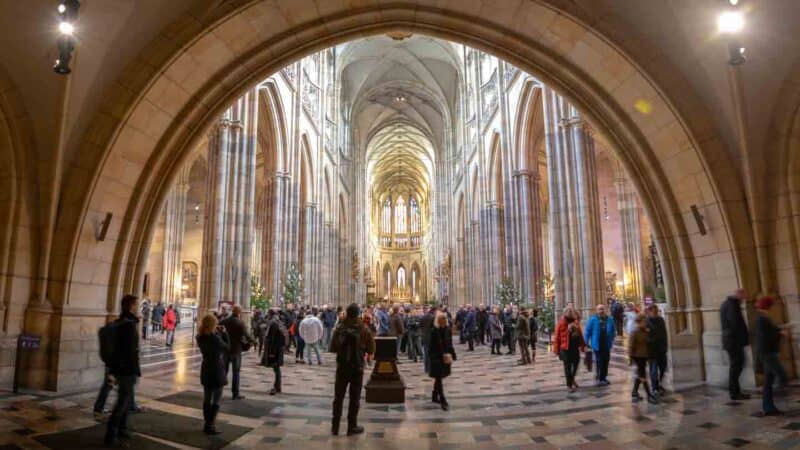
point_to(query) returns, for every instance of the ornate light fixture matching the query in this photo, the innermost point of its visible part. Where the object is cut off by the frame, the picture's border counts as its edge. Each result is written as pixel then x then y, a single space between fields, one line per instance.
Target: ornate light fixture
pixel 730 22
pixel 68 14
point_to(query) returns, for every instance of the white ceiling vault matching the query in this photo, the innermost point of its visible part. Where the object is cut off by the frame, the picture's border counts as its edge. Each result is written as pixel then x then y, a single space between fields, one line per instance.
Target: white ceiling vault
pixel 401 97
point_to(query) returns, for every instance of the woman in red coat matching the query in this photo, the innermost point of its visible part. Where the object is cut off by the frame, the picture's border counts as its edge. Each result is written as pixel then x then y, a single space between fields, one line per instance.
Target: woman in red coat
pixel 568 344
pixel 170 320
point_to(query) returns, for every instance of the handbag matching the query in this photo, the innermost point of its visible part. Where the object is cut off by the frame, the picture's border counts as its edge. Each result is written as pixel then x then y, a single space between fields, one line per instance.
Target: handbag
pixel 447 358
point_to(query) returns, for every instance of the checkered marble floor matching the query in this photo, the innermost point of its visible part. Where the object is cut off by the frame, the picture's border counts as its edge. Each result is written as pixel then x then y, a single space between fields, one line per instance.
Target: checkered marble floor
pixel 494 404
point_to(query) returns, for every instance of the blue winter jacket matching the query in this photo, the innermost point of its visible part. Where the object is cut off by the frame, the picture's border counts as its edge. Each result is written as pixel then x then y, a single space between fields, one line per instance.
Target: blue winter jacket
pixel 592 332
pixel 383 323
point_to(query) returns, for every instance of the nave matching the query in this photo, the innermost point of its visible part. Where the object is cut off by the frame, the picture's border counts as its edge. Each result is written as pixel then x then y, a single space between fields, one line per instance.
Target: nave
pixel 494 404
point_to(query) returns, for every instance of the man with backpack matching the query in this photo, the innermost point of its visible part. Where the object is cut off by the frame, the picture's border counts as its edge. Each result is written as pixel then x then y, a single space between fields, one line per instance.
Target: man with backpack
pixel 119 350
pixel 351 341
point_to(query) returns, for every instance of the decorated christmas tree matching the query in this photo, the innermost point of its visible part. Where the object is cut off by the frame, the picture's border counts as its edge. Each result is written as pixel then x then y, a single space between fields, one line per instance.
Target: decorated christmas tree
pixel 507 292
pixel 292 285
pixel 258 295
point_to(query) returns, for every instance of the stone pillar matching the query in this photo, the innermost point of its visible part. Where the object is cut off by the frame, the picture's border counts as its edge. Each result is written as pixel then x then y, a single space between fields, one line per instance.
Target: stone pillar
pixel 530 235
pixel 632 259
pixel 230 195
pixel 575 232
pixel 172 268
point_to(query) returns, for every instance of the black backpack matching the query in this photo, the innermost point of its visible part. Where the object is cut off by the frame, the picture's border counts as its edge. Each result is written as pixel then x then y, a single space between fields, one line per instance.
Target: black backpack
pixel 107 336
pixel 349 353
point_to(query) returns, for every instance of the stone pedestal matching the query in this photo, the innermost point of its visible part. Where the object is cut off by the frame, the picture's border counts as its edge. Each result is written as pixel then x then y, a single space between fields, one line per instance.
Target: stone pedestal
pixel 385 385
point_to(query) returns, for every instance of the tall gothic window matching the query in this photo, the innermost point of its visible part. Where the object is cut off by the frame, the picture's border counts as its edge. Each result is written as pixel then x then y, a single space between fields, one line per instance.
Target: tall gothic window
pixel 386 222
pixel 415 225
pixel 400 225
pixel 401 277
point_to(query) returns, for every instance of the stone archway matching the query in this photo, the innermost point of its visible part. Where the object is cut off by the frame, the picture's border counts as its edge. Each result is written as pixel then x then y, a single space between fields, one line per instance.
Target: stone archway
pixel 161 112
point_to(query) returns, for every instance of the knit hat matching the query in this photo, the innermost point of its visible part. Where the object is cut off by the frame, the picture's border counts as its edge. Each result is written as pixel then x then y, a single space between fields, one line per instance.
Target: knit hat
pixel 765 303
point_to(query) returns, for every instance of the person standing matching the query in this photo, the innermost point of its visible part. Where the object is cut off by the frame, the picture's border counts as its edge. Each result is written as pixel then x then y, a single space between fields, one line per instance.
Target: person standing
pixel 123 368
pixel 638 353
pixel 353 345
pixel 146 312
pixel 312 332
pixel 413 332
pixel 599 335
pixel 735 337
pixel 510 330
pixel 328 322
pixel 275 341
pixel 533 324
pixel 657 349
pixel 382 320
pixel 618 313
pixel 426 324
pixel 482 317
pixel 214 346
pixel 158 316
pixel 440 347
pixel 238 336
pixel 470 327
pixel 568 343
pixel 169 324
pixel 495 330
pixel 396 327
pixel 768 338
pixel 294 332
pixel 523 337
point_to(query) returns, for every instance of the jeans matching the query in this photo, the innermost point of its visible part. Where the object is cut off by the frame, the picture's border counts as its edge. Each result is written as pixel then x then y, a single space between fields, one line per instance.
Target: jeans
pixel 414 347
pixel 772 370
pixel 399 340
pixel 481 334
pixel 344 377
pixel 211 398
pixel 277 370
pixel 102 396
pixel 300 349
pixel 119 416
pixel 496 346
pixel 658 367
pixel 315 348
pixel 736 356
pixel 236 362
pixel 326 338
pixel 170 337
pixel 602 359
pixel 145 327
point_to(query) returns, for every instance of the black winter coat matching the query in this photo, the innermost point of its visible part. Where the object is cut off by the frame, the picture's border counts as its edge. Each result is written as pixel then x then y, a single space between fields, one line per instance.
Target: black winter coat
pixel 214 369
pixel 657 337
pixel 126 355
pixel 274 344
pixel 441 342
pixel 734 329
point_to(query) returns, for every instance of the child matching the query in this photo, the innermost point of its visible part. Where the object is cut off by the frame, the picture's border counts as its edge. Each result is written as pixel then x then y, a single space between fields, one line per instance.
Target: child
pixel 638 353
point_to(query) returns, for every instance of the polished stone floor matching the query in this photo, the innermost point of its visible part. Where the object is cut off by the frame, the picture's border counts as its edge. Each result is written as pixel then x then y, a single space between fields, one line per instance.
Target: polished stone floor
pixel 494 404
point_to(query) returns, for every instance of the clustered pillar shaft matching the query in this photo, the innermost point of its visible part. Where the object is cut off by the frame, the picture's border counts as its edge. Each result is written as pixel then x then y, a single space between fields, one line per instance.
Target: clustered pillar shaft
pixel 632 259
pixel 575 233
pixel 172 269
pixel 230 194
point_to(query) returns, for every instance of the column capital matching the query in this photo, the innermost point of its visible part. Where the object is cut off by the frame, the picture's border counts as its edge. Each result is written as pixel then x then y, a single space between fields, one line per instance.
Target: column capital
pixel 569 122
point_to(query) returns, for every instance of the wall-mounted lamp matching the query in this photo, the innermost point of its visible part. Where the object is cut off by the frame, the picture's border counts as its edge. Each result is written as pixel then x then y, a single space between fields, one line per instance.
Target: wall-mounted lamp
pixel 68 14
pixel 102 229
pixel 730 22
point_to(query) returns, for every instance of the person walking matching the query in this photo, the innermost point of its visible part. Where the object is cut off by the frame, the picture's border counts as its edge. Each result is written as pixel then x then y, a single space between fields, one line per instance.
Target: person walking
pixel 482 317
pixel 599 335
pixel 568 343
pixel 657 349
pixel 123 368
pixel 495 330
pixel 768 339
pixel 214 345
pixel 426 324
pixel 440 347
pixel 239 339
pixel 275 340
pixel 169 323
pixel 523 337
pixel 147 310
pixel 353 345
pixel 294 333
pixel 533 324
pixel 638 353
pixel 630 317
pixel 735 337
pixel 312 332
pixel 618 313
pixel 510 330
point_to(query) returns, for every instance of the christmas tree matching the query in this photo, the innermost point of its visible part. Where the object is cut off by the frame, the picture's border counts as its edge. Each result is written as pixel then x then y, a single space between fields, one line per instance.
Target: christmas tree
pixel 292 285
pixel 258 297
pixel 507 292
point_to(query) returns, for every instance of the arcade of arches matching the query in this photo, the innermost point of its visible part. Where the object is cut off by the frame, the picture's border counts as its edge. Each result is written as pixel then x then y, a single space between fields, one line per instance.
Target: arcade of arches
pixel 412 152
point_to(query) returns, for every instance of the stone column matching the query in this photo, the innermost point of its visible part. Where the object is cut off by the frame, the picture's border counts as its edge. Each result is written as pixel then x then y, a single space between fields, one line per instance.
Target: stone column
pixel 633 261
pixel 575 232
pixel 230 195
pixel 172 268
pixel 530 234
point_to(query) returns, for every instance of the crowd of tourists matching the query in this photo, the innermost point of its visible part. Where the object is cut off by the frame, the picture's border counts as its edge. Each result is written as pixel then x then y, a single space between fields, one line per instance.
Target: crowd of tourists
pixel 424 334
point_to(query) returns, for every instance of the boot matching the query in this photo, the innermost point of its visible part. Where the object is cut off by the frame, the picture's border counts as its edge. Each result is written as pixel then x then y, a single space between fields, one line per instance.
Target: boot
pixel 354 429
pixel 443 402
pixel 335 426
pixel 650 397
pixel 635 397
pixel 212 415
pixel 435 397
